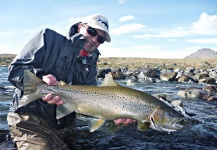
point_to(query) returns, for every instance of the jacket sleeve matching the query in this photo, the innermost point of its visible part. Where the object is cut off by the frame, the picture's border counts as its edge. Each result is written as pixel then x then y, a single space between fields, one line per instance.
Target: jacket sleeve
pixel 30 58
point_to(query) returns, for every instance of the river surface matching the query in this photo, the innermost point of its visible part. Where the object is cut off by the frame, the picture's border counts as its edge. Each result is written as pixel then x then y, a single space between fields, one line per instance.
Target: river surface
pixel 200 133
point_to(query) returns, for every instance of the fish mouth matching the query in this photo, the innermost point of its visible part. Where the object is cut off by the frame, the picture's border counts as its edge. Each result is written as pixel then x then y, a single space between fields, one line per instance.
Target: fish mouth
pixel 169 126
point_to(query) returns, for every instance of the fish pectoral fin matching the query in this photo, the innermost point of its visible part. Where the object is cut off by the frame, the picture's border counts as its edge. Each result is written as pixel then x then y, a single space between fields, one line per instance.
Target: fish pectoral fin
pixel 96 123
pixel 143 126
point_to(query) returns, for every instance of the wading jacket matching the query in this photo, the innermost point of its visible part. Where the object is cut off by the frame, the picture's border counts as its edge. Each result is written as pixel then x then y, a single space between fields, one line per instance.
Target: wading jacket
pixel 52 53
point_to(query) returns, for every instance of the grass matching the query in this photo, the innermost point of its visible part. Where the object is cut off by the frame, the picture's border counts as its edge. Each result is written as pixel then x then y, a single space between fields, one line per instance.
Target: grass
pixel 6 59
pixel 135 63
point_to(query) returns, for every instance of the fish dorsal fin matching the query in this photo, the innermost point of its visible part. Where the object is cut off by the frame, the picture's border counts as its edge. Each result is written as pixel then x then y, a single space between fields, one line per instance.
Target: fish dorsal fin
pixel 96 123
pixel 109 81
pixel 61 83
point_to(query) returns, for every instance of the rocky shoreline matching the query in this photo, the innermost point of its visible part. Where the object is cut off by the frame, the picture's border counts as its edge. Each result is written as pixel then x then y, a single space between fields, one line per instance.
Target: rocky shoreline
pixel 198 71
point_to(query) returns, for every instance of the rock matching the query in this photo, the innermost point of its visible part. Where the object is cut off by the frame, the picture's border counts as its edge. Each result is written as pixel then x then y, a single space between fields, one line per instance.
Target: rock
pixel 179 74
pixel 190 69
pixel 102 72
pixel 166 71
pixel 129 73
pixel 168 77
pixel 207 80
pixel 199 76
pixel 177 103
pixel 118 75
pixel 148 72
pixel 189 74
pixel 178 70
pixel 185 78
pixel 191 93
pixel 153 73
pixel 182 93
pixel 211 98
pixel 2 87
pixel 210 89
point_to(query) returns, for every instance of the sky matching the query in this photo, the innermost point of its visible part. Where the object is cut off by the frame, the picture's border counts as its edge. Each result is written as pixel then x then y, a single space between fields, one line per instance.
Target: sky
pixel 138 28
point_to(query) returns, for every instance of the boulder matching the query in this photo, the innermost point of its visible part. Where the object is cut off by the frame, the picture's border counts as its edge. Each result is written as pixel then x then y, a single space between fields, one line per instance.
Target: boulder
pixel 168 77
pixel 207 80
pixel 118 75
pixel 191 93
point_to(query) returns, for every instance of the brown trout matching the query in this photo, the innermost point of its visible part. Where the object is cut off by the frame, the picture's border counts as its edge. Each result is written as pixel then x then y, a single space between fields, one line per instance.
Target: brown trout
pixel 109 101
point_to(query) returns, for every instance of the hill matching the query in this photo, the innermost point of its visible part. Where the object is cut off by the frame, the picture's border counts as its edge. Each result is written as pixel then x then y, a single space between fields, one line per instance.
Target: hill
pixel 204 53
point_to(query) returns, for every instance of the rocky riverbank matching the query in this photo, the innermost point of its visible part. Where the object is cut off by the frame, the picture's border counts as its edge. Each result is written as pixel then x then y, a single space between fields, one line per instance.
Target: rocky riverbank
pixel 198 71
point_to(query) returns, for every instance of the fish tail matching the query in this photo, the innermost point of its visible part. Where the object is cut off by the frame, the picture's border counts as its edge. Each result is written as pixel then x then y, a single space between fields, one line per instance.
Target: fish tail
pixel 29 88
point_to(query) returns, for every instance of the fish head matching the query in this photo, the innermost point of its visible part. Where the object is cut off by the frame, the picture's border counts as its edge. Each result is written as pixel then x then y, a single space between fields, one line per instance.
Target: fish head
pixel 165 119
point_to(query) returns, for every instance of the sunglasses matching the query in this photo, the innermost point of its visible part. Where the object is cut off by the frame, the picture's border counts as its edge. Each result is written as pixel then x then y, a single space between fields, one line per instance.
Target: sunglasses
pixel 93 33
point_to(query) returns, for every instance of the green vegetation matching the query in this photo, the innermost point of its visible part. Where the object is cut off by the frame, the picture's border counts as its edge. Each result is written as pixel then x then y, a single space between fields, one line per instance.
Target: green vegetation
pixel 6 59
pixel 135 63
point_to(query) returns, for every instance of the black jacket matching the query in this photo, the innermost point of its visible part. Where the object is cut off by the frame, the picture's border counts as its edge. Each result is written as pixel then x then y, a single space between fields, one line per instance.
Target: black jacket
pixel 51 53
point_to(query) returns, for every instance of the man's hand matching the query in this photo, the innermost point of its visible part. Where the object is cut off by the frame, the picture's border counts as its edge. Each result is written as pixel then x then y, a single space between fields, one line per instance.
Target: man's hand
pixel 51 80
pixel 124 121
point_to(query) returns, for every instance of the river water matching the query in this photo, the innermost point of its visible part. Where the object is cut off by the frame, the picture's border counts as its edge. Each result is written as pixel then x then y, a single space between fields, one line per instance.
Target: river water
pixel 200 133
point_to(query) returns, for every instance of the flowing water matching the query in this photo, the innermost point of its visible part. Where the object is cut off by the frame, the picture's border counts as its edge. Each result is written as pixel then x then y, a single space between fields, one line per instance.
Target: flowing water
pixel 199 133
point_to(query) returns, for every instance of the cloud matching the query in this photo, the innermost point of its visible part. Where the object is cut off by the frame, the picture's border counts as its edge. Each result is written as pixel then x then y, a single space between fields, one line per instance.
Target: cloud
pixel 73 20
pixel 6 49
pixel 121 1
pixel 127 28
pixel 206 41
pixel 206 25
pixel 177 32
pixel 125 18
pixel 147 52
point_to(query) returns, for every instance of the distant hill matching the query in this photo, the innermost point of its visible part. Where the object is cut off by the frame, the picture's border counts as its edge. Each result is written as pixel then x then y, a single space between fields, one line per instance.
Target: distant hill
pixel 203 53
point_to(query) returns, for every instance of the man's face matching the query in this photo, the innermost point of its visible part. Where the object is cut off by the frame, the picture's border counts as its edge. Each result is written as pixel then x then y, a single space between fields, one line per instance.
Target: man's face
pixel 92 42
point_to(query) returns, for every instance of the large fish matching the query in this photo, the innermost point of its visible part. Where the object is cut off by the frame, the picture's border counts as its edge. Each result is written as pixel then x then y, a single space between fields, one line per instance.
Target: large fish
pixel 107 102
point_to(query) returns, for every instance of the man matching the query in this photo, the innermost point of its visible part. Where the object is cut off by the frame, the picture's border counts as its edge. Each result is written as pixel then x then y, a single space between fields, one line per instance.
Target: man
pixel 53 57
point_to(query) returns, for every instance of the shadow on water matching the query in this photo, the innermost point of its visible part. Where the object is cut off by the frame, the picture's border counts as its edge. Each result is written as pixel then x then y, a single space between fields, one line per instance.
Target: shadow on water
pixel 200 132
